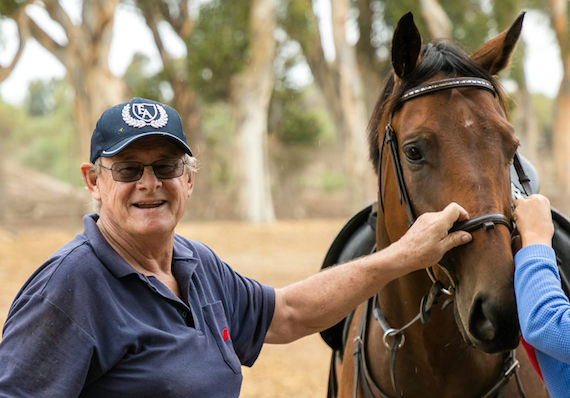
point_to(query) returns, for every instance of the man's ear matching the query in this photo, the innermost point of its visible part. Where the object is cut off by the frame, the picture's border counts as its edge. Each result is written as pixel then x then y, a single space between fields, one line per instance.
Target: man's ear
pixel 191 179
pixel 90 180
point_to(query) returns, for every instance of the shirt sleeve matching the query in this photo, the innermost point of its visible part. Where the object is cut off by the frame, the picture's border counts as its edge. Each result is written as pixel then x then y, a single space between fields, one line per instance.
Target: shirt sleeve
pixel 543 308
pixel 43 352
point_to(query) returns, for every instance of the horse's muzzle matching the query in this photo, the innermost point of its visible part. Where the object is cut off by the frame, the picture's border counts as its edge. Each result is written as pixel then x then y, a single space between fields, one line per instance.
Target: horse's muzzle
pixel 493 328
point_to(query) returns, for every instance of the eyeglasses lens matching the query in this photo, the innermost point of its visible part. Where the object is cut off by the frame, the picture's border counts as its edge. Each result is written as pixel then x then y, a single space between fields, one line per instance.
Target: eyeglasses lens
pixel 133 171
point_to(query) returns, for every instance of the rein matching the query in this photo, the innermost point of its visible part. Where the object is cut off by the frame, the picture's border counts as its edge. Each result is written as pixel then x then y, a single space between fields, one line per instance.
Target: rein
pixel 485 221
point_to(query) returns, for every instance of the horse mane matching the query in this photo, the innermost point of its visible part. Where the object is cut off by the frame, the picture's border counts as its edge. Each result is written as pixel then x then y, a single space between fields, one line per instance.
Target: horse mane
pixel 436 57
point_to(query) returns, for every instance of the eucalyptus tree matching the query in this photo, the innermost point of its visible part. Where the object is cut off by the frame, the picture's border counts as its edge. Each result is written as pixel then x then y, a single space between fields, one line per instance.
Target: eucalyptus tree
pixel 229 57
pixel 83 51
pixel 560 19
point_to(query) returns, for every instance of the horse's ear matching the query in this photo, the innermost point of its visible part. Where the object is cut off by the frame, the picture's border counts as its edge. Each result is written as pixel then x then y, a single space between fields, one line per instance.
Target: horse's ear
pixel 495 55
pixel 406 46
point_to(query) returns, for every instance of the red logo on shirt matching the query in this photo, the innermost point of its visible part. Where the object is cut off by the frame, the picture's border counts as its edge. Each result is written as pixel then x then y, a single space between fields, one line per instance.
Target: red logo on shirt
pixel 226 334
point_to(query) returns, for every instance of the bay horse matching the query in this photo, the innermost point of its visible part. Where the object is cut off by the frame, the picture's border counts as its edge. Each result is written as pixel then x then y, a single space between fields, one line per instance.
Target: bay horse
pixel 440 133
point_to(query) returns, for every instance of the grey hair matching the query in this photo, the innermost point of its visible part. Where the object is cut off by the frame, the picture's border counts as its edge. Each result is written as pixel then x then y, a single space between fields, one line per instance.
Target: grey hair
pixel 190 162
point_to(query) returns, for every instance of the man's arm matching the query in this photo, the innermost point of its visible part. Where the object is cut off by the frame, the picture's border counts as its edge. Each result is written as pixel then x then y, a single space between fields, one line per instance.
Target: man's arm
pixel 323 299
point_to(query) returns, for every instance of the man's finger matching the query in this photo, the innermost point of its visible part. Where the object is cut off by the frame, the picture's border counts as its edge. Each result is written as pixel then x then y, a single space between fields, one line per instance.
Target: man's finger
pixel 454 212
pixel 455 239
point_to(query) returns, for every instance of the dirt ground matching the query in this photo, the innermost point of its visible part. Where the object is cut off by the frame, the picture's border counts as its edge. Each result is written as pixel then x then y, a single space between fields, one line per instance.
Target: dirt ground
pixel 275 254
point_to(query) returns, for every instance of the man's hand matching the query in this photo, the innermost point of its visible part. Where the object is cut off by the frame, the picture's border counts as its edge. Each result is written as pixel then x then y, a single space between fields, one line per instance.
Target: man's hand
pixel 428 239
pixel 534 220
pixel 323 299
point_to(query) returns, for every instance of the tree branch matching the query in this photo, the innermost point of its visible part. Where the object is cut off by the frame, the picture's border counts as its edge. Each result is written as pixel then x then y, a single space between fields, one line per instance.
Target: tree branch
pixel 58 14
pixel 150 11
pixel 21 25
pixel 46 41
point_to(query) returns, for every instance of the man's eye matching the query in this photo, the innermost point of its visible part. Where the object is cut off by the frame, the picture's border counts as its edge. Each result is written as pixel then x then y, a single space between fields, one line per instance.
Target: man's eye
pixel 128 170
pixel 164 168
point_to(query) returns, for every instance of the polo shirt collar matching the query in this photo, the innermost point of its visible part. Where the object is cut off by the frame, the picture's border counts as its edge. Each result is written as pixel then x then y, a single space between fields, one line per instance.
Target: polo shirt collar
pixel 115 263
pixel 103 250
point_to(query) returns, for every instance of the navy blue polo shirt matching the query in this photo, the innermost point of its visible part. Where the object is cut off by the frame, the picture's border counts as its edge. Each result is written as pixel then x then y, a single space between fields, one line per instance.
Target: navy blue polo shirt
pixel 87 324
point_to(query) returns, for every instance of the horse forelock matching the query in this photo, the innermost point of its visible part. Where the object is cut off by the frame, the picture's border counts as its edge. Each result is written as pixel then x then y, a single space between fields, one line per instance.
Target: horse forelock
pixel 435 58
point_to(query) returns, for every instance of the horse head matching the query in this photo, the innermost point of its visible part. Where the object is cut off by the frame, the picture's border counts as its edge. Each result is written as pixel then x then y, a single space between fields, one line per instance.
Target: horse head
pixel 453 144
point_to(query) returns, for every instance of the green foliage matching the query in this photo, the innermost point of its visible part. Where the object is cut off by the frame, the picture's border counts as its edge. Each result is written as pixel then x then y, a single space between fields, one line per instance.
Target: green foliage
pixel 291 121
pixel 138 81
pixel 543 108
pixel 296 17
pixel 217 48
pixel 8 7
pixel 332 181
pixel 218 132
pixel 41 135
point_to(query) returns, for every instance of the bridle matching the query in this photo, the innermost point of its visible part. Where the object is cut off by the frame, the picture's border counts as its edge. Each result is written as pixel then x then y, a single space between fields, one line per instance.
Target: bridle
pixel 485 221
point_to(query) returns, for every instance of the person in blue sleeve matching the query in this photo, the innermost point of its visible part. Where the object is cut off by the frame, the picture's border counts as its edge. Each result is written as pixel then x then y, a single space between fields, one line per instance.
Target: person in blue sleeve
pixel 543 308
pixel 128 308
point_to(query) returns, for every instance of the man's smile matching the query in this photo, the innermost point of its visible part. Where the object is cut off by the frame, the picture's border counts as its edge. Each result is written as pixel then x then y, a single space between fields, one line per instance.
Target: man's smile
pixel 149 204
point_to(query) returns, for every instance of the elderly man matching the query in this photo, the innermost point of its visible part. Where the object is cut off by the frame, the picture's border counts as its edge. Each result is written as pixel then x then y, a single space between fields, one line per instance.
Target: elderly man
pixel 130 309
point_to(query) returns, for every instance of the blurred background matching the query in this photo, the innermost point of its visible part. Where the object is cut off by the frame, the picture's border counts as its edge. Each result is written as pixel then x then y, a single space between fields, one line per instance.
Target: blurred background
pixel 275 95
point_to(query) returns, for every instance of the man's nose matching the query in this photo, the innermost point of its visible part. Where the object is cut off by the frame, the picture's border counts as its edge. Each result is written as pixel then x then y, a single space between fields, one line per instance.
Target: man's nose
pixel 148 177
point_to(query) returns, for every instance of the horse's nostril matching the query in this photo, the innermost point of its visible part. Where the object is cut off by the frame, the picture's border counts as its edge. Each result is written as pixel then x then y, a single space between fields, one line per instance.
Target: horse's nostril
pixel 485 329
pixel 481 323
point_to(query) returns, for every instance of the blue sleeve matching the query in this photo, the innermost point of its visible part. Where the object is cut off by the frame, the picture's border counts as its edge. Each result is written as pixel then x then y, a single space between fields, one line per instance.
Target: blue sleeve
pixel 543 308
pixel 43 353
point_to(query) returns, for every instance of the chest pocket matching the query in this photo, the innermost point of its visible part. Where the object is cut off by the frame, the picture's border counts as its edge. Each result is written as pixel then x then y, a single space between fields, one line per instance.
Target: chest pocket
pixel 217 323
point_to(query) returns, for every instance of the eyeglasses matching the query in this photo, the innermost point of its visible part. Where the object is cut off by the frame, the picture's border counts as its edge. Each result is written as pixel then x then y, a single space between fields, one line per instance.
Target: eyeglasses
pixel 133 171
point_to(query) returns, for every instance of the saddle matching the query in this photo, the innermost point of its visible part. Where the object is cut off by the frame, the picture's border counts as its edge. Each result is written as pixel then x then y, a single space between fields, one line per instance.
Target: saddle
pixel 358 238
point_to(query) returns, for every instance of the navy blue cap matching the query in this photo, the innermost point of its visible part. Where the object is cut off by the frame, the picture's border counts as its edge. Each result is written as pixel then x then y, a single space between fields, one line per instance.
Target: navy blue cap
pixel 125 123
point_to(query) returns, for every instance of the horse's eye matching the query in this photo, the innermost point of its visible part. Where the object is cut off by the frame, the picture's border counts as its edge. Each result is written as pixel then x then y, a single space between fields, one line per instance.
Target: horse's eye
pixel 413 153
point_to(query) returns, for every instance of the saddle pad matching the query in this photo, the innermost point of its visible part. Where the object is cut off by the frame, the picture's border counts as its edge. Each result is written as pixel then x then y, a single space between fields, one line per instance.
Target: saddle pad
pixel 356 238
pixel 561 246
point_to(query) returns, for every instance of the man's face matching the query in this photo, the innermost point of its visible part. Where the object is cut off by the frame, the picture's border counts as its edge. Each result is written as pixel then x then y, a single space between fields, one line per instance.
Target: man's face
pixel 149 206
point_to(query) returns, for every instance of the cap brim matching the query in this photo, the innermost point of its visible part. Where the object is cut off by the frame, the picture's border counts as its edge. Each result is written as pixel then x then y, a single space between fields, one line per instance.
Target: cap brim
pixel 118 147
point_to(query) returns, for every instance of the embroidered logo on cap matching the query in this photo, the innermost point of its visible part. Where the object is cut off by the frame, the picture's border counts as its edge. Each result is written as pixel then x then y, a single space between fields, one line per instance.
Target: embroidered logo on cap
pixel 145 114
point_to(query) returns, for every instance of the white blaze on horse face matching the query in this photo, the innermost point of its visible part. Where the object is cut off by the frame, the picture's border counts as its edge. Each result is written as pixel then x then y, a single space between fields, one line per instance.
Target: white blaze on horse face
pixel 468 123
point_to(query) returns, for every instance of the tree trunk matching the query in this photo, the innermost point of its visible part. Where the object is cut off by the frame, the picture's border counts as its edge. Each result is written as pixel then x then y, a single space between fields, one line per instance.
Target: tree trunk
pixel 527 126
pixel 95 90
pixel 439 24
pixel 561 141
pixel 355 117
pixel 251 93
pixel 372 70
pixel 85 58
